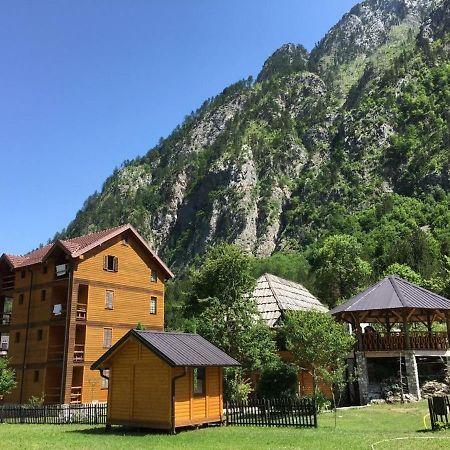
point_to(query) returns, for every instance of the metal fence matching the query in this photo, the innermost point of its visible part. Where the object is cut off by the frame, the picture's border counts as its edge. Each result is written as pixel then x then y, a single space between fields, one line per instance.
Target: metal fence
pixel 92 414
pixel 276 413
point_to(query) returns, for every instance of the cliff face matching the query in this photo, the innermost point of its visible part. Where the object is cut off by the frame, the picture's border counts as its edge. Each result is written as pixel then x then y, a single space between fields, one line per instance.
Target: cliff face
pixel 268 165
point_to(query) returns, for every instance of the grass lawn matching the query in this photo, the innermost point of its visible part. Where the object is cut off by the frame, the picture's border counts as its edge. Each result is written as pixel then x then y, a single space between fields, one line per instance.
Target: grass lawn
pixel 356 429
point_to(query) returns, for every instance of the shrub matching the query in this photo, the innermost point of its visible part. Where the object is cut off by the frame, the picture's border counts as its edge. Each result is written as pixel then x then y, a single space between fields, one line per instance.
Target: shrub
pixel 278 382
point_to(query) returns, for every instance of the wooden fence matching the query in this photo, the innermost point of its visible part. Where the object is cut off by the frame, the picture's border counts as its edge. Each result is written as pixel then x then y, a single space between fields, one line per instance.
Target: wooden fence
pixel 275 413
pixel 439 408
pixel 91 414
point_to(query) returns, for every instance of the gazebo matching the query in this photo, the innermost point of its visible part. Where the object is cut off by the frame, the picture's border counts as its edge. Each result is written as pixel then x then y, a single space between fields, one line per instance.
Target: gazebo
pixel 405 315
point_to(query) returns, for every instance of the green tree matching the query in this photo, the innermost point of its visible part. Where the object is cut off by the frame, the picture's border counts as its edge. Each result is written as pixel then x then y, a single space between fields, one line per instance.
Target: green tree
pixel 7 377
pixel 405 272
pixel 318 344
pixel 340 271
pixel 224 314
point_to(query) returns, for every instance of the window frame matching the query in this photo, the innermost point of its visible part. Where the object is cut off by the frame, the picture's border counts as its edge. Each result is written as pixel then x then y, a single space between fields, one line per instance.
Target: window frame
pixel 153 306
pixel 105 343
pixel 196 378
pixel 17 337
pixel 110 263
pixel 40 334
pixel 21 299
pixel 153 276
pixel 36 376
pixel 107 306
pixel 43 295
pixel 105 382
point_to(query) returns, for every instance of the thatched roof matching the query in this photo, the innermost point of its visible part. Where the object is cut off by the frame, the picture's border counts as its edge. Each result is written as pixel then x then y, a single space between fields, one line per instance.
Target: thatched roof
pixel 274 295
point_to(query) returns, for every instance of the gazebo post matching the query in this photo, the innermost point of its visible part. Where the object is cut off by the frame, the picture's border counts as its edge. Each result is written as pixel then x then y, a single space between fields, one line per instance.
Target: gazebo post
pixel 358 331
pixel 406 332
pixel 447 317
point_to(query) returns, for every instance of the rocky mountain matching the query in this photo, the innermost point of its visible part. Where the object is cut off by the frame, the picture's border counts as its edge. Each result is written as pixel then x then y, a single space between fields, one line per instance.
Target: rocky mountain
pixel 279 163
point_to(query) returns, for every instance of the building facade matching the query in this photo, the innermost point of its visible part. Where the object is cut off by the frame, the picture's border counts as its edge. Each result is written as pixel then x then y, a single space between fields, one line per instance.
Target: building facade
pixel 63 305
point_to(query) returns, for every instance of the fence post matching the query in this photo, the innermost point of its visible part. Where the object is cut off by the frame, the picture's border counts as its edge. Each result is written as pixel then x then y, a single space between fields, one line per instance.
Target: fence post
pixel 268 413
pixel 314 411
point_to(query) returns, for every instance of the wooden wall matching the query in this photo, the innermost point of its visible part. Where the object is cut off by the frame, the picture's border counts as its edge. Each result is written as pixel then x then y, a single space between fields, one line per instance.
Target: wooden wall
pixel 140 391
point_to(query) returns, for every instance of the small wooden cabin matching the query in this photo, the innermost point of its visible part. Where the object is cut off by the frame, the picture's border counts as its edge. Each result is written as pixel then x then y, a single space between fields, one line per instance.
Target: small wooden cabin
pixel 163 380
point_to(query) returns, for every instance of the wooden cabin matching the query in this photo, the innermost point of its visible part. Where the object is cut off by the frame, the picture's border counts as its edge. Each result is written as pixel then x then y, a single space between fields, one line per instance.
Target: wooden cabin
pixel 63 305
pixel 274 296
pixel 164 380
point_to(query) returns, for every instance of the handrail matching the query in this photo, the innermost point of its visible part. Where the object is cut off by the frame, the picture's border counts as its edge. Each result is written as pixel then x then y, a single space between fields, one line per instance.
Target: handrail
pixel 419 340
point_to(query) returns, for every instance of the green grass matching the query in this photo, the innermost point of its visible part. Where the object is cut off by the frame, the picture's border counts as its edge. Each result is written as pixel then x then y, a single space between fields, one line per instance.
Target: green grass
pixel 356 429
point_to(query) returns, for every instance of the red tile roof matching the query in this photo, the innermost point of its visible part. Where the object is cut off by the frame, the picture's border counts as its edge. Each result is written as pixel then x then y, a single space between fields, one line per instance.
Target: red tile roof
pixel 76 247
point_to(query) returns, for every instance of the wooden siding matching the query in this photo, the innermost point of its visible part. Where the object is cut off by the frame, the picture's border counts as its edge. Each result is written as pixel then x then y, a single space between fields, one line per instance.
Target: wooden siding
pixel 139 387
pixel 191 409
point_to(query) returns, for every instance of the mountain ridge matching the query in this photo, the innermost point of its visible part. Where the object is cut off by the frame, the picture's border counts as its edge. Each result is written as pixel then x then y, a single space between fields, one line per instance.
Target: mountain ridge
pixel 267 164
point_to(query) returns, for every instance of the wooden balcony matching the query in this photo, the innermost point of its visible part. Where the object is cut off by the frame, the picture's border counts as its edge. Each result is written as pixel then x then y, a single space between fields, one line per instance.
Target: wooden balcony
pixel 78 353
pixel 75 394
pixel 81 312
pixel 6 319
pixel 396 341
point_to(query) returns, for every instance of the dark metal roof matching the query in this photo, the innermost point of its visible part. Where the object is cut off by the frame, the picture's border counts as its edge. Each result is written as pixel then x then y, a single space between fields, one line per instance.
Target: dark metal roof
pixel 177 349
pixel 393 293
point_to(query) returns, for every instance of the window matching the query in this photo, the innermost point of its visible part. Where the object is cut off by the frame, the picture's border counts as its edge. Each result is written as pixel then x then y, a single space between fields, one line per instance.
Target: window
pixel 40 334
pixel 107 337
pixel 44 269
pixel 111 263
pixel 43 295
pixel 109 299
pixel 105 382
pixel 36 376
pixel 23 274
pixel 198 380
pixel 17 339
pixel 154 276
pixel 153 301
pixel 21 299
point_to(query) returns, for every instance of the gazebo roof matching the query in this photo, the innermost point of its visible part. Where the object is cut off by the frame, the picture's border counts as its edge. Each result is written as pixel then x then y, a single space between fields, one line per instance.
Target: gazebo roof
pixel 393 293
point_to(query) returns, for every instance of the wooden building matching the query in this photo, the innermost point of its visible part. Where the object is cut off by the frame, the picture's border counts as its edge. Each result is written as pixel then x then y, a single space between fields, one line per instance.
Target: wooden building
pixel 64 304
pixel 163 380
pixel 404 335
pixel 274 296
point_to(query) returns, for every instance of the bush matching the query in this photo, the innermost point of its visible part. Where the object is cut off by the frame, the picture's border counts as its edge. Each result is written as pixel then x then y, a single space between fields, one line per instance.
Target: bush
pixel 236 387
pixel 278 382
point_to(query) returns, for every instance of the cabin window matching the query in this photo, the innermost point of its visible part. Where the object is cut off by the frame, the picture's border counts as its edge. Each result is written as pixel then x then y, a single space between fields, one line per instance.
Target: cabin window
pixel 105 381
pixel 40 334
pixel 43 295
pixel 109 299
pixel 36 376
pixel 44 269
pixel 154 276
pixel 20 299
pixel 111 263
pixel 107 337
pixel 23 274
pixel 198 380
pixel 17 338
pixel 153 305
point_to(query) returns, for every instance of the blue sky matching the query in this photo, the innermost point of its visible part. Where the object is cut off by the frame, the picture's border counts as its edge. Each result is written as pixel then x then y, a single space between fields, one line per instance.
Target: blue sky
pixel 86 84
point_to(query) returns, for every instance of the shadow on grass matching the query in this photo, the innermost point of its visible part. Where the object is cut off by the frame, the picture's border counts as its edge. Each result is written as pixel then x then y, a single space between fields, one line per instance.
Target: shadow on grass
pixel 119 431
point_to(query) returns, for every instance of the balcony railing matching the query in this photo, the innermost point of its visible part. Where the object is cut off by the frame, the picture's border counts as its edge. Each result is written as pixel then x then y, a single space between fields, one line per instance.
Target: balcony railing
pixel 75 394
pixel 81 311
pixel 58 311
pixel 8 282
pixel 418 340
pixel 6 319
pixel 78 353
